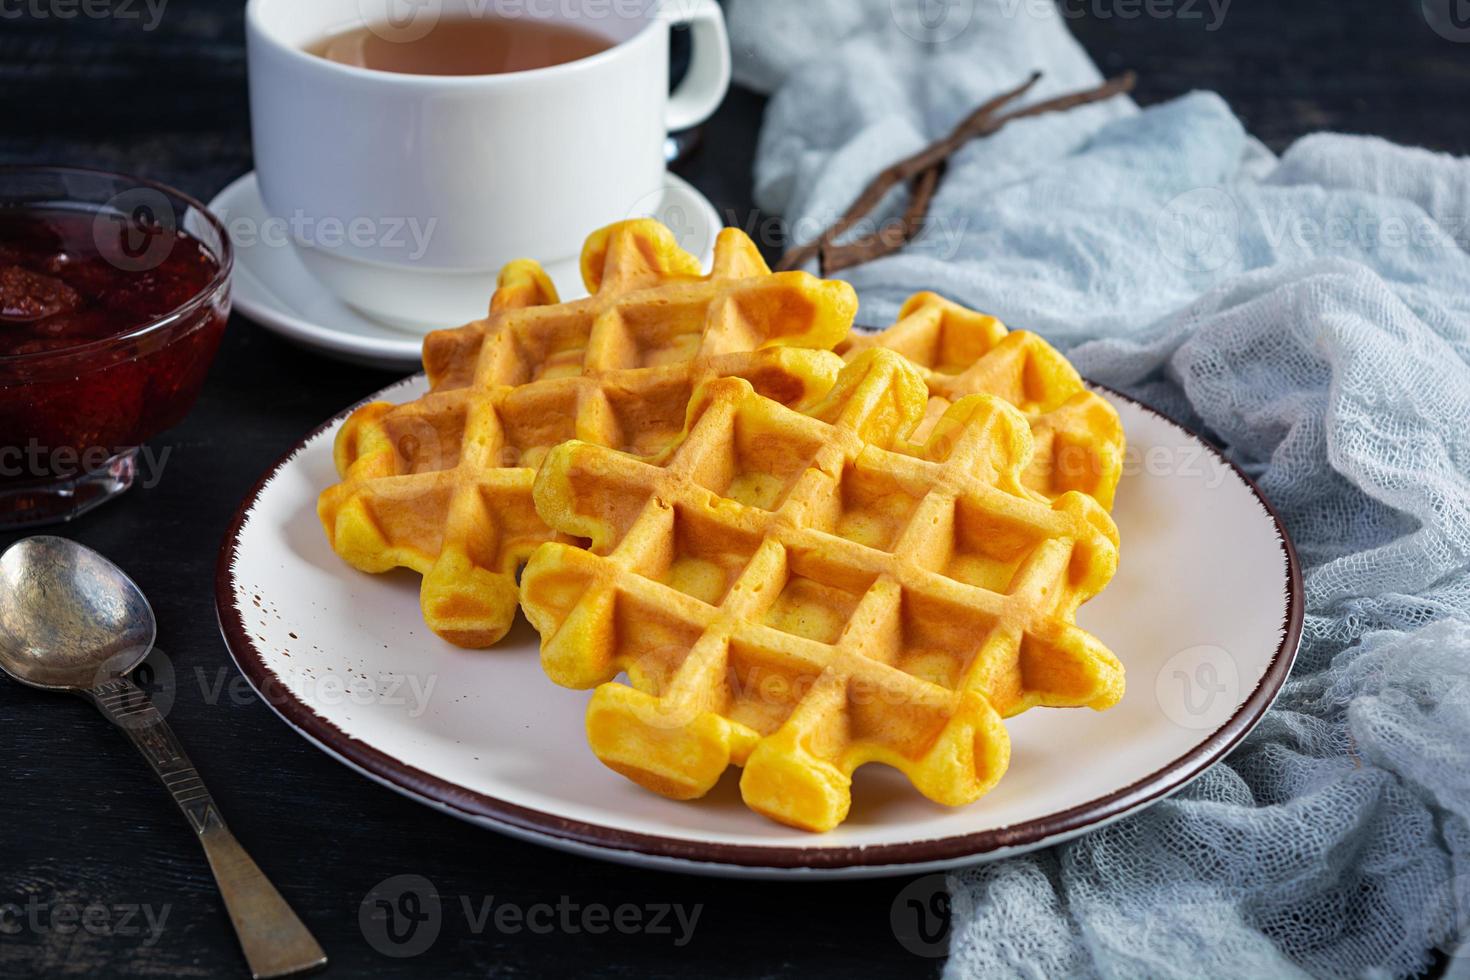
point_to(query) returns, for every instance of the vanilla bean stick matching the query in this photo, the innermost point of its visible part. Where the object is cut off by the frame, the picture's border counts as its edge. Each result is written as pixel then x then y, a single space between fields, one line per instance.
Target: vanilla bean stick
pixel 924 170
pixel 835 258
pixel 1121 85
pixel 906 170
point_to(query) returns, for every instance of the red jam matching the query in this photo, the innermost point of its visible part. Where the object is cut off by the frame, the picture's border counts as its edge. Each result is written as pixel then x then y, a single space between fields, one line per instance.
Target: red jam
pixel 107 329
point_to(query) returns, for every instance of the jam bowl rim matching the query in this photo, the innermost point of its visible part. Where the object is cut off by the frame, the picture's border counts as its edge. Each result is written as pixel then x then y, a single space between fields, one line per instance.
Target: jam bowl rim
pixel 185 312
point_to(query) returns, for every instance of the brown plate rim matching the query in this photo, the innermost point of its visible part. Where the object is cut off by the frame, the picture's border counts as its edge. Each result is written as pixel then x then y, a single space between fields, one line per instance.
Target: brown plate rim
pixel 479 807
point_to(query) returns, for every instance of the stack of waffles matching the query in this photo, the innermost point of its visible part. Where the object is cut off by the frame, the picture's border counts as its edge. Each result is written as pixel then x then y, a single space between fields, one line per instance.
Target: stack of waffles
pixel 804 548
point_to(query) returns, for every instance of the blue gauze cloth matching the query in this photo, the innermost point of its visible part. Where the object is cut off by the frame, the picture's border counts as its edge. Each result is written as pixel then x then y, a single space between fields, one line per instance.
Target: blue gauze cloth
pixel 1310 313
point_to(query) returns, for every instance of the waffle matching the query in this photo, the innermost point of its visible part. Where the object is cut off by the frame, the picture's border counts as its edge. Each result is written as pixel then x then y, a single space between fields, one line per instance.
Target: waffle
pixel 801 593
pixel 1078 436
pixel 443 485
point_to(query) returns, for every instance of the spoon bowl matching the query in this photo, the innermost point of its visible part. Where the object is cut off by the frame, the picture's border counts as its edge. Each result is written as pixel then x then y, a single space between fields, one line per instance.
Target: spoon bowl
pixel 69 618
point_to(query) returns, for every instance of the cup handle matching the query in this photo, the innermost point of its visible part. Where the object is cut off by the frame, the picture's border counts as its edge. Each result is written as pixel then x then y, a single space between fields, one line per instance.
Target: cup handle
pixel 704 88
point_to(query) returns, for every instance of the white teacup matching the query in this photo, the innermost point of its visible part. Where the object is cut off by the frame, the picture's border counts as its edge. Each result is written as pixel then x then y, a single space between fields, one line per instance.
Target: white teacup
pixel 406 194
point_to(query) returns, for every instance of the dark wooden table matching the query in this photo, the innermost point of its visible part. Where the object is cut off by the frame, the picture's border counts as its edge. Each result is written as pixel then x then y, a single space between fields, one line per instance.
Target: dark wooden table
pixel 81 822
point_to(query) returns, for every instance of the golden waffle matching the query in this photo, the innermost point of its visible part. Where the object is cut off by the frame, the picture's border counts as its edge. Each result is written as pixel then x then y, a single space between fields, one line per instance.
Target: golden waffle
pixel 443 485
pixel 802 593
pixel 1079 438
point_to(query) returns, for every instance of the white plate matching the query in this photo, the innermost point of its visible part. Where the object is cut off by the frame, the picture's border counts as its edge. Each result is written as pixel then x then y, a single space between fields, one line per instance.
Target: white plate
pixel 1205 613
pixel 272 287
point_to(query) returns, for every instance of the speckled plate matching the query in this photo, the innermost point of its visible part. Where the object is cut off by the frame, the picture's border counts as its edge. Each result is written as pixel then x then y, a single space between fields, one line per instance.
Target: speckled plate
pixel 1205 613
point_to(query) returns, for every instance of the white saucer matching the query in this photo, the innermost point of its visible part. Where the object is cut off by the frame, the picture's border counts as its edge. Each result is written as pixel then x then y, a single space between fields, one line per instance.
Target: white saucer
pixel 273 288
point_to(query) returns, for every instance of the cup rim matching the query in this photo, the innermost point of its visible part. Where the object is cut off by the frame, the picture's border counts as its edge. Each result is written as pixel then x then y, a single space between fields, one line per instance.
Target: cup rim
pixel 158 324
pixel 255 26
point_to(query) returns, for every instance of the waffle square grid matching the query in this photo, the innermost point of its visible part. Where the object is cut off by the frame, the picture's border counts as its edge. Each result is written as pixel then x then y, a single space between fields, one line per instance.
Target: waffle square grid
pixel 1078 437
pixel 804 592
pixel 443 485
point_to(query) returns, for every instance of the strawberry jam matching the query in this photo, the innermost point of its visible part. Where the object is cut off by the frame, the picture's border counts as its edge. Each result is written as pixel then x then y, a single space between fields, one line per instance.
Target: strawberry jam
pixel 69 278
pixel 108 323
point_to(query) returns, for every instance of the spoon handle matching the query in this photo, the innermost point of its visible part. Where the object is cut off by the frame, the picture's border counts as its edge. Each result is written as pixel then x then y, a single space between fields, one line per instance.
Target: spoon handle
pixel 275 941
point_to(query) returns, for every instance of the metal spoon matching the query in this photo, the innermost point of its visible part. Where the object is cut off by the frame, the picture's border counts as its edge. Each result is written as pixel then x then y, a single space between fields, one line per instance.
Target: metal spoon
pixel 70 620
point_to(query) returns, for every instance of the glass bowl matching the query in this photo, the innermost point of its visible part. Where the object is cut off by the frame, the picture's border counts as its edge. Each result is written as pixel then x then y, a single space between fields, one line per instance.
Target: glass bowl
pixel 114 295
